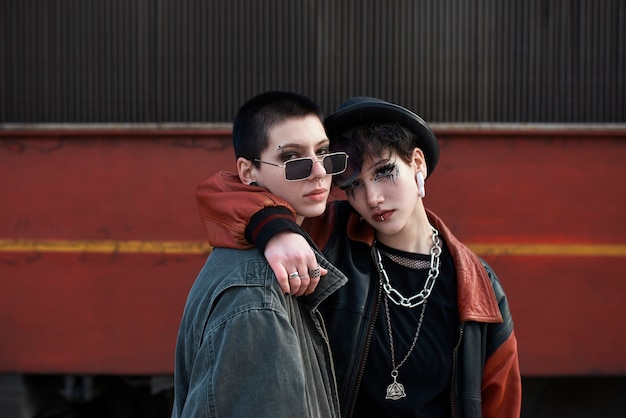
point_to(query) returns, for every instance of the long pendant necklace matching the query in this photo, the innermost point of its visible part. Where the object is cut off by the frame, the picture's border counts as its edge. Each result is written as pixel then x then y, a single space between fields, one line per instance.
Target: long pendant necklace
pixel 396 390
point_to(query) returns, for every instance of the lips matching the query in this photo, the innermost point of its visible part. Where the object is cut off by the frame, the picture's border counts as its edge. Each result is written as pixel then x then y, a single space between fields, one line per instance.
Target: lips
pixel 317 194
pixel 381 216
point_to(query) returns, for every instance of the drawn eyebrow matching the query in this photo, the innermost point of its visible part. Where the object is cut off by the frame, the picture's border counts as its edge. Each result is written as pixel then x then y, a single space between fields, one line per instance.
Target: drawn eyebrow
pixel 380 163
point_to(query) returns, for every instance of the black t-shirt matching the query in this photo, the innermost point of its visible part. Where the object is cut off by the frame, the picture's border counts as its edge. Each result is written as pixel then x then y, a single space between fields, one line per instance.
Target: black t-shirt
pixel 426 374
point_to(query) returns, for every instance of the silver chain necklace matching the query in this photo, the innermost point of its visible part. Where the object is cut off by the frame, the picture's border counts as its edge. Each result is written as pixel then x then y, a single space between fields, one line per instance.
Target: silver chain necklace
pixel 415 300
pixel 396 390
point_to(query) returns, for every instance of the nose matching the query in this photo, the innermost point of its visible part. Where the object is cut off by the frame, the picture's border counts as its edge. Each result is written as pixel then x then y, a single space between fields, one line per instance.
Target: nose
pixel 318 169
pixel 372 195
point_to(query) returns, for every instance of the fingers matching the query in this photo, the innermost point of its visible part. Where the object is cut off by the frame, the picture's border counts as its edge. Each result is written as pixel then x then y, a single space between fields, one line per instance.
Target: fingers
pixel 299 284
pixel 289 278
pixel 281 276
pixel 305 284
pixel 315 274
pixel 315 279
pixel 291 258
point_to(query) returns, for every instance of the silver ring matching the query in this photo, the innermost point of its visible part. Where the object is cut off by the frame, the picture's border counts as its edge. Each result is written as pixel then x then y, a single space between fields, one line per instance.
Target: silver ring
pixel 304 276
pixel 293 275
pixel 315 273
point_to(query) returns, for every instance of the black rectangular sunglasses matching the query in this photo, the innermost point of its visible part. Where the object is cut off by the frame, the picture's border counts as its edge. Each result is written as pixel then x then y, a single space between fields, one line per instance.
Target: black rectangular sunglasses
pixel 301 168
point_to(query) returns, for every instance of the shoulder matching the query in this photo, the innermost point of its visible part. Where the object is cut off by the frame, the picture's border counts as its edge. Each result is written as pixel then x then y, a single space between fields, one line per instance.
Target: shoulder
pixel 233 281
pixel 495 282
pixel 500 294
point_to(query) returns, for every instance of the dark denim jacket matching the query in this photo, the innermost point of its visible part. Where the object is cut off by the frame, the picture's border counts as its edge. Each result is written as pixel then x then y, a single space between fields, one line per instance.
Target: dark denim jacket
pixel 245 349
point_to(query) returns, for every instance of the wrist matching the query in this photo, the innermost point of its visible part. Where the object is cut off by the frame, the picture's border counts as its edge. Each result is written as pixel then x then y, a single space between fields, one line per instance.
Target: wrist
pixel 268 222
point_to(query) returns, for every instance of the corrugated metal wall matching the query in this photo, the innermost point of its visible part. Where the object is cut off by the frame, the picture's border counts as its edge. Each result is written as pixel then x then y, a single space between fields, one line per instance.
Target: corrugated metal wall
pixel 197 60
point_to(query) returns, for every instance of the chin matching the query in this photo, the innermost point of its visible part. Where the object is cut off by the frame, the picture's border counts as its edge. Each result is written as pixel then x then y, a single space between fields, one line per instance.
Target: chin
pixel 312 212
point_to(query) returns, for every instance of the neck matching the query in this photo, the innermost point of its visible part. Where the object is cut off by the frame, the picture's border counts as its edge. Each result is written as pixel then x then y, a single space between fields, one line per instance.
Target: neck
pixel 414 238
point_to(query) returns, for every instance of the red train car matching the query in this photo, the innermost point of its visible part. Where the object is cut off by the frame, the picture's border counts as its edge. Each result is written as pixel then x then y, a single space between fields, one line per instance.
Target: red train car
pixel 100 240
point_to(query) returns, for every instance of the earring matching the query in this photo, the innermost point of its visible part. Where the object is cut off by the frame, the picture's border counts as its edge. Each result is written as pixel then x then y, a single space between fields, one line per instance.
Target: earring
pixel 421 191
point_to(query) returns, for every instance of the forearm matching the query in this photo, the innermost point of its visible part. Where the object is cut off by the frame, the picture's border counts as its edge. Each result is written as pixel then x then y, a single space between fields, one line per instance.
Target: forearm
pixel 242 217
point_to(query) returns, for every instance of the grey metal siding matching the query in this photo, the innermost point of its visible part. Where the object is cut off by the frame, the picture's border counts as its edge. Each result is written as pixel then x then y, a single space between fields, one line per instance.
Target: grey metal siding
pixel 115 61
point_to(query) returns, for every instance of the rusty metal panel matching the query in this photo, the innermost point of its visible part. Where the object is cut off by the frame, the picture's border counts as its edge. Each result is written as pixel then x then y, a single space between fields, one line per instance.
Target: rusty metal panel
pixel 139 61
pixel 108 245
pixel 100 241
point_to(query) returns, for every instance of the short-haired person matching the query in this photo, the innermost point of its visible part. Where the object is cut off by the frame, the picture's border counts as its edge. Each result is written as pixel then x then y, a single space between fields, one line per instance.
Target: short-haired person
pixel 244 348
pixel 423 328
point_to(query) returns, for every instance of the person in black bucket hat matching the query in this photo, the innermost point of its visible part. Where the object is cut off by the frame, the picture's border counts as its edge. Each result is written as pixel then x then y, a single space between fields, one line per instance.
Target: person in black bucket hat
pixel 362 110
pixel 423 327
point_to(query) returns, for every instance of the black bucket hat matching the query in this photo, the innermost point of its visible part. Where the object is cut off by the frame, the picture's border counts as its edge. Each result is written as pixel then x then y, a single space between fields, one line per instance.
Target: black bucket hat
pixel 362 110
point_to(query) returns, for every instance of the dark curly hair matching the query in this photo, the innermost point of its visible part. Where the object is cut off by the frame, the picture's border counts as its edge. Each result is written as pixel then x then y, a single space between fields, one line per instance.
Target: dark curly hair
pixel 371 140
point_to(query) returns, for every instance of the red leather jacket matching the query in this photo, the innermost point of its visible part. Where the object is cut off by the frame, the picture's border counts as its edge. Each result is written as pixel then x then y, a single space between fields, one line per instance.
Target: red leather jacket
pixel 486 381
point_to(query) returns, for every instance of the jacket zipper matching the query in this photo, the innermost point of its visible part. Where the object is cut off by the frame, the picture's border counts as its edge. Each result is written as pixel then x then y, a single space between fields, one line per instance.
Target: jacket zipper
pixel 453 383
pixel 368 341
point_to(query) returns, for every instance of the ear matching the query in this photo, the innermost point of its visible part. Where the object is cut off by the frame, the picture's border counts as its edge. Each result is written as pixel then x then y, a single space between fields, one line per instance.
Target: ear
pixel 246 171
pixel 420 161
